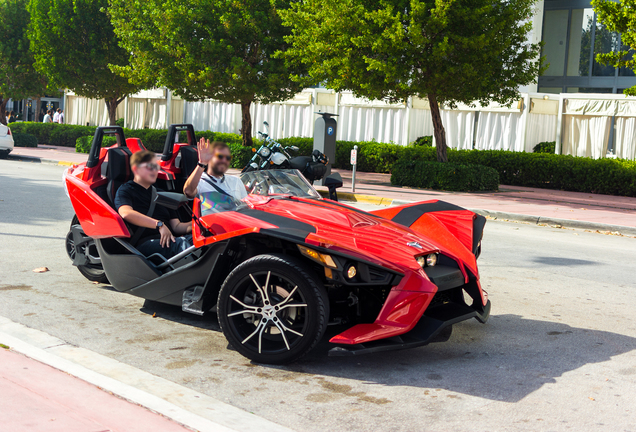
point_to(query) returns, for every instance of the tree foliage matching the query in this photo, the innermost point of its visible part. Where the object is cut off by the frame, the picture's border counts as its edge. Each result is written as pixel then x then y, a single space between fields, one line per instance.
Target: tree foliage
pixel 618 18
pixel 218 49
pixel 448 51
pixel 73 43
pixel 18 78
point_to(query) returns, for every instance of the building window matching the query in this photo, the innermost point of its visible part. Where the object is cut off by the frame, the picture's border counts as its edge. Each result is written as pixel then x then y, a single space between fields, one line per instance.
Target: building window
pixel 572 39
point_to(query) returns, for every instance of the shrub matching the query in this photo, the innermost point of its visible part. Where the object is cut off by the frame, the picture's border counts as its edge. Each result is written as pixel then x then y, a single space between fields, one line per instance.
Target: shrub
pixel 545 147
pixel 423 141
pixel 444 176
pixel 120 122
pixel 24 140
pixel 83 144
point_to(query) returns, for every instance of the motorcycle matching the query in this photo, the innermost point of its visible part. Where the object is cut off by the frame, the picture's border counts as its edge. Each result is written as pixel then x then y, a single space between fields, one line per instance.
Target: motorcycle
pixel 273 155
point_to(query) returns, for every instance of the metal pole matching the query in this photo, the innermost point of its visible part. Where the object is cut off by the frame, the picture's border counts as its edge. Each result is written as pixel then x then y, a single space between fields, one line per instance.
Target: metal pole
pixel 355 163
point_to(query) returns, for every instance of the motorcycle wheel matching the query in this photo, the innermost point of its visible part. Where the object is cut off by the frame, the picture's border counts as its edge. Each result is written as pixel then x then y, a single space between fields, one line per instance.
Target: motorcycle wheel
pixel 92 272
pixel 272 309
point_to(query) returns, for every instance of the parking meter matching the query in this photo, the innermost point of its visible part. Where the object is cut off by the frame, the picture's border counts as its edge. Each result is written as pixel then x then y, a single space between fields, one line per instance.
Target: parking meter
pixel 325 130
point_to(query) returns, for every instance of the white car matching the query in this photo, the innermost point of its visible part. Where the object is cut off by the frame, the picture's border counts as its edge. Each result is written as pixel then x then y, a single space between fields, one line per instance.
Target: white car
pixel 6 141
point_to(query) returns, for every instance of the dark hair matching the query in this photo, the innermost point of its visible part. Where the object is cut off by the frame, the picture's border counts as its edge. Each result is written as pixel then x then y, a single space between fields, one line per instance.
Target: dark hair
pixel 219 145
pixel 140 157
pixel 59 110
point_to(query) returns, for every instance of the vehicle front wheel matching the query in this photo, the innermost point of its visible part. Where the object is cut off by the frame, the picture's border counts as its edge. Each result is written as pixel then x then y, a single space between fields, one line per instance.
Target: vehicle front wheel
pixel 272 309
pixel 92 270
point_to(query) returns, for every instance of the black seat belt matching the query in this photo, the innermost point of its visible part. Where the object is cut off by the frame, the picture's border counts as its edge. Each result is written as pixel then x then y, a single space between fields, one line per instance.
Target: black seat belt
pixel 140 230
pixel 210 182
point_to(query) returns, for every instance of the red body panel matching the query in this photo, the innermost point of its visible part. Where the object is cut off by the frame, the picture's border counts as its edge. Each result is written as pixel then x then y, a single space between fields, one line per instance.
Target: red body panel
pixel 97 218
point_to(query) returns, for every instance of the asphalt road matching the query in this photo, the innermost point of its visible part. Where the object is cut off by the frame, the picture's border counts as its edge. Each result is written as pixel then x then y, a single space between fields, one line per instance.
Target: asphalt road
pixel 557 354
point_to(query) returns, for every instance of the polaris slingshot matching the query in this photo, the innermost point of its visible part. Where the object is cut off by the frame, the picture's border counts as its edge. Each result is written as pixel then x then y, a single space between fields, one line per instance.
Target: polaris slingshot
pixel 284 263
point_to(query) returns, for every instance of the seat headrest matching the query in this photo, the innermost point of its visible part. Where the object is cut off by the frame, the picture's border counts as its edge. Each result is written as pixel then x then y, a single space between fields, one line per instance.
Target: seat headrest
pixel 119 164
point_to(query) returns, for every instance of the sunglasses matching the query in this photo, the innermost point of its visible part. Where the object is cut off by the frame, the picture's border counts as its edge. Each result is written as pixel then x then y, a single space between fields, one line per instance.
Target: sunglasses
pixel 150 166
pixel 222 157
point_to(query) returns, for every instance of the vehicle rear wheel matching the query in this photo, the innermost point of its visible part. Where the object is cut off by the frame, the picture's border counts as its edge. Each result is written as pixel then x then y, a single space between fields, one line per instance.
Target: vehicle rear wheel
pixel 93 270
pixel 4 154
pixel 272 309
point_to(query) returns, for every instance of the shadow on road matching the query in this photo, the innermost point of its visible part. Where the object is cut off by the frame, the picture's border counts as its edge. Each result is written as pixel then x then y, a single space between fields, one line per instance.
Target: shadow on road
pixel 507 359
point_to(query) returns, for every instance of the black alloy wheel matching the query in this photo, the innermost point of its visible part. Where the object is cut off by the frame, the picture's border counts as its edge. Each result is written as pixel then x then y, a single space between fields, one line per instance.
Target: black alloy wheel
pixel 93 270
pixel 272 309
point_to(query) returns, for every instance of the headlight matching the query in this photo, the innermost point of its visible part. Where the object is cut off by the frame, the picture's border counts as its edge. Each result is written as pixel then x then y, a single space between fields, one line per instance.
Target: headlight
pixel 429 260
pixel 351 272
pixel 264 152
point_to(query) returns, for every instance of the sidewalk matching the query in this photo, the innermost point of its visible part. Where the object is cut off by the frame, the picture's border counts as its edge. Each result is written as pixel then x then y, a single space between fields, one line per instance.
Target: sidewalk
pixel 37 397
pixel 553 207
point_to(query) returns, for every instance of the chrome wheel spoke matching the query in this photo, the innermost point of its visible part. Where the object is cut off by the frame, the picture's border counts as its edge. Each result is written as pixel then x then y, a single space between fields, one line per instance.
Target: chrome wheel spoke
pixel 260 327
pixel 287 329
pixel 288 298
pixel 252 308
pixel 253 312
pixel 262 290
pixel 281 328
pixel 290 305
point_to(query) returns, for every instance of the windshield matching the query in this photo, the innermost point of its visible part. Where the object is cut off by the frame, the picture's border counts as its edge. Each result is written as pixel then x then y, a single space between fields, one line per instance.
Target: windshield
pixel 278 182
pixel 216 202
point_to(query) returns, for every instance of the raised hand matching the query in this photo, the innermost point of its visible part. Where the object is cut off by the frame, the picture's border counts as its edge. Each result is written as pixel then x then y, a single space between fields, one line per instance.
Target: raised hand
pixel 205 151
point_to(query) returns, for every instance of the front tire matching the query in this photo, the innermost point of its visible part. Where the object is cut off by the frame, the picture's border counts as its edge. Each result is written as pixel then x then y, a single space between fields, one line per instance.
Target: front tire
pixel 93 271
pixel 272 309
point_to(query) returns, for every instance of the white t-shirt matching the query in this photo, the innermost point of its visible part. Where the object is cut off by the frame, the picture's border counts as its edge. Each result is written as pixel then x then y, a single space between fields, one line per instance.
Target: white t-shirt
pixel 46 119
pixel 56 117
pixel 228 183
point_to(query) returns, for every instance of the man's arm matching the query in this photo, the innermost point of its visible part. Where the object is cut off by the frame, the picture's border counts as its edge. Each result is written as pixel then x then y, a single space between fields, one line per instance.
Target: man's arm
pixel 191 184
pixel 180 227
pixel 141 220
pixel 205 154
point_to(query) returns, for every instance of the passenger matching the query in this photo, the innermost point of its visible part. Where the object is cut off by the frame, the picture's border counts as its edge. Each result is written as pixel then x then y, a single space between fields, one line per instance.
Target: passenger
pixel 133 201
pixel 209 175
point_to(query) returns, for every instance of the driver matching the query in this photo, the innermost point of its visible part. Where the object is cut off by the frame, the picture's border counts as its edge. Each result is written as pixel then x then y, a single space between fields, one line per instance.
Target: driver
pixel 209 175
pixel 133 203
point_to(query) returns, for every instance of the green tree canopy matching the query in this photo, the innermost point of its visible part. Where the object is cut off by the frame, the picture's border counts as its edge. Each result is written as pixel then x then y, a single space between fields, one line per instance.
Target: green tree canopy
pixel 18 78
pixel 217 49
pixel 447 51
pixel 74 44
pixel 620 18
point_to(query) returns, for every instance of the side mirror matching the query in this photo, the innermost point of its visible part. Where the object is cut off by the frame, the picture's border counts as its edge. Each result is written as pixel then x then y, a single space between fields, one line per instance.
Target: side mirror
pixel 333 182
pixel 171 200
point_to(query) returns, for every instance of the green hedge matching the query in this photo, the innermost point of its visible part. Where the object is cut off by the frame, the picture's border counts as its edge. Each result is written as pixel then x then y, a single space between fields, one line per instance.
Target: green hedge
pixel 24 140
pixel 543 170
pixel 444 176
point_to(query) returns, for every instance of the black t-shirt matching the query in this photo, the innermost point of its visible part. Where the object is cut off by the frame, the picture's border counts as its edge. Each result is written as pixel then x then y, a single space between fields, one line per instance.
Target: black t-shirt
pixel 138 197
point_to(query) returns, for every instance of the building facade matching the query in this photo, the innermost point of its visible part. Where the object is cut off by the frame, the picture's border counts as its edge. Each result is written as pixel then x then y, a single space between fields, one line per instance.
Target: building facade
pixel 572 38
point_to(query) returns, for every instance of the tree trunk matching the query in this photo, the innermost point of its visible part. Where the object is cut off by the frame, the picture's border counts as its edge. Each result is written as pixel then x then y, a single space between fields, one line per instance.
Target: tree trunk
pixel 111 106
pixel 35 104
pixel 3 107
pixel 438 127
pixel 246 123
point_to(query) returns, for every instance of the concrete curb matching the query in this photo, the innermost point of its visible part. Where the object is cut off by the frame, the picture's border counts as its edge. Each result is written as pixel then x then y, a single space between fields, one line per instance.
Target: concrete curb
pixel 36 159
pixel 566 223
pixel 185 406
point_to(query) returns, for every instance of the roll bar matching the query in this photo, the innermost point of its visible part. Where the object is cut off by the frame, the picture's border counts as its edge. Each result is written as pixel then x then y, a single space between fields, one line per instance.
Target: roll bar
pixel 171 137
pixel 96 145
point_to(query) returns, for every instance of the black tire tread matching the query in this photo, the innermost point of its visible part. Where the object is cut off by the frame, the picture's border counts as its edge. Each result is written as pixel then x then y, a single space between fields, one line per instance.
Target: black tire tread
pixel 307 275
pixel 92 274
